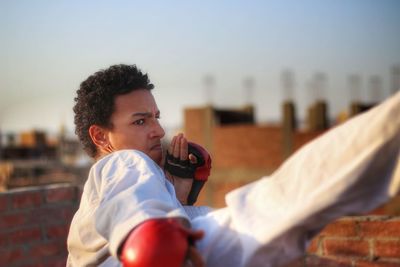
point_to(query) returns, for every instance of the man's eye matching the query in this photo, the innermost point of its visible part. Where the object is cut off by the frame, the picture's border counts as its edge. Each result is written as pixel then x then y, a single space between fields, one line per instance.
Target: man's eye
pixel 139 122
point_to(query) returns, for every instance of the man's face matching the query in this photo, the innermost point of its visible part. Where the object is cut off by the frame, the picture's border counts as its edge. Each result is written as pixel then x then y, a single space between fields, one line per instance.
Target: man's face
pixel 135 124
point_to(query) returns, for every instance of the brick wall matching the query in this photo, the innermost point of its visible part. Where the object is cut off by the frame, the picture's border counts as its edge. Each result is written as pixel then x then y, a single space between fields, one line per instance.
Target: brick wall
pixel 34 223
pixel 364 241
pixel 262 146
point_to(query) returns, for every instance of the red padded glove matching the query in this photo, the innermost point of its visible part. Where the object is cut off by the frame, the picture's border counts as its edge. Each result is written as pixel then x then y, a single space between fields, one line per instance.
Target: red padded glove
pixel 203 168
pixel 158 243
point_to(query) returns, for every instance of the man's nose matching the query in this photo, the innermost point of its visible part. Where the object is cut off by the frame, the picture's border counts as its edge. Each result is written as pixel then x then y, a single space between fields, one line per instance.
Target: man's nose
pixel 158 130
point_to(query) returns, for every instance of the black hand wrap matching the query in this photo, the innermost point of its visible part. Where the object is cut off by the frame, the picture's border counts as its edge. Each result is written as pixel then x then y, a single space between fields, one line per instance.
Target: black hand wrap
pixel 184 168
pixel 198 171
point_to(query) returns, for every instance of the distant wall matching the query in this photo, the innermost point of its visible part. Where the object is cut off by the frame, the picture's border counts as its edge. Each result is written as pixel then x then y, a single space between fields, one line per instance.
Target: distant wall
pixel 34 224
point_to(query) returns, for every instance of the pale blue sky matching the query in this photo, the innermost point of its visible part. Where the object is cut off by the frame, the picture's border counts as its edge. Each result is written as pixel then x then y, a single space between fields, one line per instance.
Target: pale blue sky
pixel 48 47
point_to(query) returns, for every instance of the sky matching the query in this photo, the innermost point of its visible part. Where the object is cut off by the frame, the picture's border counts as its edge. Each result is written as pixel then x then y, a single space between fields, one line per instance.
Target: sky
pixel 49 47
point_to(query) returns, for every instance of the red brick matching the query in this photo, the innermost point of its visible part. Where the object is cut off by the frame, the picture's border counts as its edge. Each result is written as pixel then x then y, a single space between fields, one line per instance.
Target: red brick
pixel 8 256
pixel 341 228
pixel 4 239
pixel 12 220
pixel 47 250
pixel 57 231
pixel 60 194
pixel 34 263
pixel 3 202
pixel 296 263
pixel 315 261
pixel 378 211
pixel 362 263
pixel 59 262
pixel 52 215
pixel 24 236
pixel 387 248
pixel 27 199
pixel 314 245
pixel 380 228
pixel 346 247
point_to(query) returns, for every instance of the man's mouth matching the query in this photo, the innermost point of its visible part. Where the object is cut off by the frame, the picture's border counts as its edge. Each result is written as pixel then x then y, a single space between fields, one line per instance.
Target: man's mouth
pixel 156 147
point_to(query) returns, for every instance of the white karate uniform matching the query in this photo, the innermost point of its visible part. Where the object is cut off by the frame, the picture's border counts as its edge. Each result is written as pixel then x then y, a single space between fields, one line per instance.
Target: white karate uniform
pixel 269 222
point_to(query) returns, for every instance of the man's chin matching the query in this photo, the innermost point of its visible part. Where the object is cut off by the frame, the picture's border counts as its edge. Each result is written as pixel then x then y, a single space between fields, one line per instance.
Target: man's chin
pixel 156 156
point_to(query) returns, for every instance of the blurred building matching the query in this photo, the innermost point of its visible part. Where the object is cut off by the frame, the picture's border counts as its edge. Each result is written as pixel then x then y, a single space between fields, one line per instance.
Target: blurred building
pixel 243 151
pixel 32 158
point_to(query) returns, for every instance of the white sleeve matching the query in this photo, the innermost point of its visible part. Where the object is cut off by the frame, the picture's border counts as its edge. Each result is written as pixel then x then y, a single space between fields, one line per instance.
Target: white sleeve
pixel 132 189
pixel 196 211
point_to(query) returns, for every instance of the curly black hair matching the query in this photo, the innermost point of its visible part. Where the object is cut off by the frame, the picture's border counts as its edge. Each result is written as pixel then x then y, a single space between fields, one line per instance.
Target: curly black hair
pixel 94 103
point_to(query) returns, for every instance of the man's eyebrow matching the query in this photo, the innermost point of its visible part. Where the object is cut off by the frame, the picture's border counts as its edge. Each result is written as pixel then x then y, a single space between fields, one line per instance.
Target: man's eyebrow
pixel 145 114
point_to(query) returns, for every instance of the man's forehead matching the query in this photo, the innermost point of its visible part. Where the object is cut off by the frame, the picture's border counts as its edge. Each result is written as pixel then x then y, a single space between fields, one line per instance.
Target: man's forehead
pixel 136 101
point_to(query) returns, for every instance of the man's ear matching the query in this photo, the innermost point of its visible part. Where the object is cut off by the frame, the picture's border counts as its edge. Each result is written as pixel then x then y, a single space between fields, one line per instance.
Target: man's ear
pixel 98 135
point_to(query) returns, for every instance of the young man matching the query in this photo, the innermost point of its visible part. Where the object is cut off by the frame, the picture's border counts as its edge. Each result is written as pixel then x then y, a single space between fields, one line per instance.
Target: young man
pixel 130 209
pixel 116 120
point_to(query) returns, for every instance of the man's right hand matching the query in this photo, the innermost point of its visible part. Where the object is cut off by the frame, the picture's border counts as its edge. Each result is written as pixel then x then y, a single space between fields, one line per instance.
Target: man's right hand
pixel 179 150
pixel 187 166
